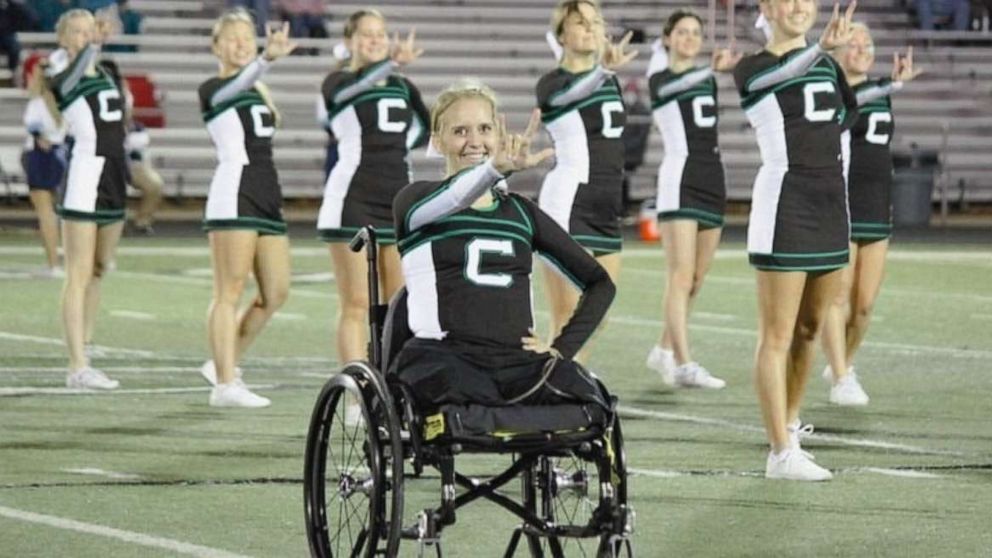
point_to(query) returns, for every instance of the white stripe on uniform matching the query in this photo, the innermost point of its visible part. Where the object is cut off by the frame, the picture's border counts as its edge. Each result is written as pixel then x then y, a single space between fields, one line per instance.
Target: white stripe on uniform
pixel 769 126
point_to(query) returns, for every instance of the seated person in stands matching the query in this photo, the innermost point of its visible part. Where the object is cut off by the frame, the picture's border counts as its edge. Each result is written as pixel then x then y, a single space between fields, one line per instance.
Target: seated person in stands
pixel 467 247
pixel 958 11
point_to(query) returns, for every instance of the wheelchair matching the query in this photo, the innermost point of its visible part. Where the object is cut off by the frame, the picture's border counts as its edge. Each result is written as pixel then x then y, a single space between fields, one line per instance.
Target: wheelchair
pixel 569 460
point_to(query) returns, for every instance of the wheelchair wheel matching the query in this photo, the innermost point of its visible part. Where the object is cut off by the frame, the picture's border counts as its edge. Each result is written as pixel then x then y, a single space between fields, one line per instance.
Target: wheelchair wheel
pixel 585 492
pixel 352 491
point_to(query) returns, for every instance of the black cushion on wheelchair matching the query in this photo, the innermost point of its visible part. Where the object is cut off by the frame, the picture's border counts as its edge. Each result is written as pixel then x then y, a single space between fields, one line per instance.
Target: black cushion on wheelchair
pixel 395 329
pixel 520 421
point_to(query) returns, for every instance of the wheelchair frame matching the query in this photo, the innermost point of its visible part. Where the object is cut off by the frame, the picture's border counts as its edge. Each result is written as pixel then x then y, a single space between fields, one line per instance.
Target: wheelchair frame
pixel 389 432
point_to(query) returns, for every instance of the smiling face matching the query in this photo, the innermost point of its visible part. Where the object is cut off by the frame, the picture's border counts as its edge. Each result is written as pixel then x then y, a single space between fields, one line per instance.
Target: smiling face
pixel 789 18
pixel 76 32
pixel 234 44
pixel 582 31
pixel 858 55
pixel 685 39
pixel 466 133
pixel 368 42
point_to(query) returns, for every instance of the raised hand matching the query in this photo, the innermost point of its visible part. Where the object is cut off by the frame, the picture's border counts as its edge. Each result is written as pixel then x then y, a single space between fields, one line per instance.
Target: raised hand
pixel 513 151
pixel 277 43
pixel 614 56
pixel 105 28
pixel 838 30
pixel 902 67
pixel 404 52
pixel 724 60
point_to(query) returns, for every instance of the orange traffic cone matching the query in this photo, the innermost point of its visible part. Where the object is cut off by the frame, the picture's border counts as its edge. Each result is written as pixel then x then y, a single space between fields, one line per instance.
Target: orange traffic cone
pixel 647 222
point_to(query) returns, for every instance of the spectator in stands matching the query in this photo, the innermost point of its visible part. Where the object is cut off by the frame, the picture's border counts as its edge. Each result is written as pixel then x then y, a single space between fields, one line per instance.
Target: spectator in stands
pixel 258 8
pixel 129 22
pixel 44 163
pixel 958 11
pixel 14 16
pixel 305 17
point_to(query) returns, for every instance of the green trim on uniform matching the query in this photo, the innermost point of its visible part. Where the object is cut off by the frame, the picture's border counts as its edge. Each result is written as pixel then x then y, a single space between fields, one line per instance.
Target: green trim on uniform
pixel 482 220
pixel 444 186
pixel 406 246
pixel 599 95
pixel 817 76
pixel 707 218
pixel 523 213
pixel 552 260
pixel 826 267
pixel 87 86
pixel 698 90
pixel 870 231
pixel 262 226
pixel 384 92
pixel 770 69
pixel 599 245
pixel 244 98
pixel 99 216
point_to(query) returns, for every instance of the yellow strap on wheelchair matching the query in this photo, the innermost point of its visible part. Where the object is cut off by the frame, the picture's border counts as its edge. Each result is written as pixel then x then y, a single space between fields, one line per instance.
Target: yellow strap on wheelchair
pixel 433 426
pixel 608 442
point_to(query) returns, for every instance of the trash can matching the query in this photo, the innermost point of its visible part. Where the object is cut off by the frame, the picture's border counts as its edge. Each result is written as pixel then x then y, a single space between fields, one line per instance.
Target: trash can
pixel 912 187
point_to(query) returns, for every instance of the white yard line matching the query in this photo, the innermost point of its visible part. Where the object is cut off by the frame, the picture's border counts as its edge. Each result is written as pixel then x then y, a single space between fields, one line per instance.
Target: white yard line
pixel 289 316
pixel 894 347
pixel 21 391
pixel 131 315
pixel 55 341
pixel 904 473
pixel 669 474
pixel 171 545
pixel 97 472
pixel 736 425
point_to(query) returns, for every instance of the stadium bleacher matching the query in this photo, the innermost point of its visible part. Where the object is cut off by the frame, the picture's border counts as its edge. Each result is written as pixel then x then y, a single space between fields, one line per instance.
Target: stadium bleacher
pixel 502 42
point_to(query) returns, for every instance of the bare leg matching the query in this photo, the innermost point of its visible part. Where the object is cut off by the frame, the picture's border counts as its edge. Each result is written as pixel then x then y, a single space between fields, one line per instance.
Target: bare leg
pixel 821 290
pixel 679 239
pixel 232 253
pixel 47 224
pixel 870 273
pixel 107 238
pixel 390 271
pixel 611 263
pixel 149 182
pixel 272 271
pixel 80 247
pixel 835 322
pixel 779 297
pixel 350 273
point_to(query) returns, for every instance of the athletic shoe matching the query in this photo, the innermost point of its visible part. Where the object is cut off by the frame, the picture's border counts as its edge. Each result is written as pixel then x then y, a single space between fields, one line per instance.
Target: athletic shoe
pixel 92 351
pixel 662 361
pixel 353 414
pixel 209 372
pixel 798 431
pixel 848 392
pixel 90 378
pixel 794 464
pixel 53 272
pixel 236 394
pixel 691 374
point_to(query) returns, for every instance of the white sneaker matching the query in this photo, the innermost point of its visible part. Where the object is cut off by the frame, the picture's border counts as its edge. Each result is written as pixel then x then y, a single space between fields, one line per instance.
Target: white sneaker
pixel 53 273
pixel 353 415
pixel 236 394
pixel 798 431
pixel 794 464
pixel 209 372
pixel 691 374
pixel 848 391
pixel 90 378
pixel 662 361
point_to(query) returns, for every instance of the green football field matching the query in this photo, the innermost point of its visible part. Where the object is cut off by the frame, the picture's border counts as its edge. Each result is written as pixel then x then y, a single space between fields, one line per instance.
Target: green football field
pixel 151 470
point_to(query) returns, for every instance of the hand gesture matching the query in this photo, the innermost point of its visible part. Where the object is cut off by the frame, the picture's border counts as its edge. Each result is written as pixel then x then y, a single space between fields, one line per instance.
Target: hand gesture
pixel 105 28
pixel 838 29
pixel 534 343
pixel 513 151
pixel 902 67
pixel 404 52
pixel 724 59
pixel 277 43
pixel 614 56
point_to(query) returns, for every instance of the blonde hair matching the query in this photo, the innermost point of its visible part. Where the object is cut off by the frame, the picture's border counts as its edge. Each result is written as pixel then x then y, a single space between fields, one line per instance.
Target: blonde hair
pixel 62 25
pixel 462 89
pixel 241 15
pixel 566 8
pixel 38 87
pixel 351 25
